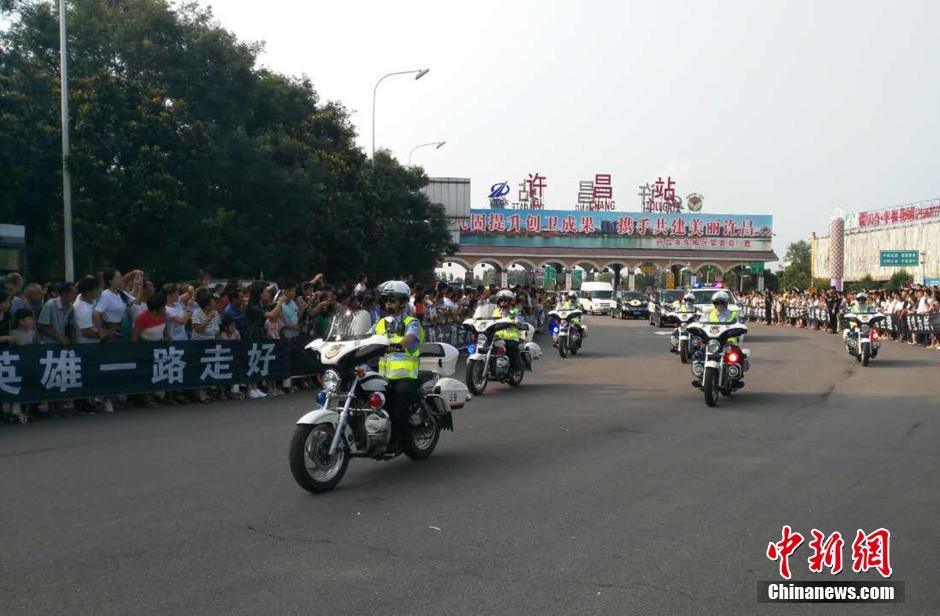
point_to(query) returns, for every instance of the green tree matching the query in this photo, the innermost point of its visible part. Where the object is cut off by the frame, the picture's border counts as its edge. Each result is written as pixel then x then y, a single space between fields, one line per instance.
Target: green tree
pixel 797 273
pixel 186 155
pixel 866 283
pixel 771 281
pixel 900 279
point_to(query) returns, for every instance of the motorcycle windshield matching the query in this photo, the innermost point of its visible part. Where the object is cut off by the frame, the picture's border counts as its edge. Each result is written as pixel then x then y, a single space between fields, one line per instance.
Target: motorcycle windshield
pixel 483 311
pixel 349 326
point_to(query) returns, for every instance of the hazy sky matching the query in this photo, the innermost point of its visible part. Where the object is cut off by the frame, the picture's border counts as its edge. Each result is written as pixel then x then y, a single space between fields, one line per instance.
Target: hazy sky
pixel 787 108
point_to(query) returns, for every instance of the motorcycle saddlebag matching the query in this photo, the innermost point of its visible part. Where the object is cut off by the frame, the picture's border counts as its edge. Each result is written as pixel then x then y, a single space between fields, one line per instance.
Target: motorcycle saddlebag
pixel 452 390
pixel 534 349
pixel 439 357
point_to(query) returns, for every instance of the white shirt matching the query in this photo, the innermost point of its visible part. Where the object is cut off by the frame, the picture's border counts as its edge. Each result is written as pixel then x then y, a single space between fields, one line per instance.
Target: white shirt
pixel 449 304
pixel 177 330
pixel 111 307
pixel 922 306
pixel 82 313
pixel 360 288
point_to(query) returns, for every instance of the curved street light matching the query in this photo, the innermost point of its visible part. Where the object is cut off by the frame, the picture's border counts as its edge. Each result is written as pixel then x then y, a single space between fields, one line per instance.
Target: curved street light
pixel 437 146
pixel 418 73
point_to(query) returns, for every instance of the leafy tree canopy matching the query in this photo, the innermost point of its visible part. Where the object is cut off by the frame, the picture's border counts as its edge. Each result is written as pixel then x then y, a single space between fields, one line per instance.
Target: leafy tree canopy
pixel 186 155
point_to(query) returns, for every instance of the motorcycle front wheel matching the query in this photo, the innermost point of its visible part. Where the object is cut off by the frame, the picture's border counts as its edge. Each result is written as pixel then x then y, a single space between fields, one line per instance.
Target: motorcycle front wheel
pixel 710 386
pixel 563 347
pixel 423 439
pixel 476 377
pixel 683 352
pixel 311 465
pixel 866 354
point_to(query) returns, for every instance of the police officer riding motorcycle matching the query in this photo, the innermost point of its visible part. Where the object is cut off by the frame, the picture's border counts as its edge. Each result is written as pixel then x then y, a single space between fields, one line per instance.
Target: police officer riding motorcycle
pixel 686 313
pixel 401 363
pixel 567 305
pixel 861 334
pixel 505 309
pixel 498 351
pixel 719 363
pixel 399 408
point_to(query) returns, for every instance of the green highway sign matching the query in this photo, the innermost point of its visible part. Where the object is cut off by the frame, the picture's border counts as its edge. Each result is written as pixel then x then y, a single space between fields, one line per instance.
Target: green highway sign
pixel 757 267
pixel 897 258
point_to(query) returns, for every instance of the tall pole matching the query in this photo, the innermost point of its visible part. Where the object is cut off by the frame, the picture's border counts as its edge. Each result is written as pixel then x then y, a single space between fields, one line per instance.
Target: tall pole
pixel 419 73
pixel 66 178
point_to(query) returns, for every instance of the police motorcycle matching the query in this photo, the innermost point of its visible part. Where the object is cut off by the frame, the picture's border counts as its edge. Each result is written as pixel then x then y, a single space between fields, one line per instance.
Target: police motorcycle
pixel 862 341
pixel 352 421
pixel 718 363
pixel 567 331
pixel 680 339
pixel 489 359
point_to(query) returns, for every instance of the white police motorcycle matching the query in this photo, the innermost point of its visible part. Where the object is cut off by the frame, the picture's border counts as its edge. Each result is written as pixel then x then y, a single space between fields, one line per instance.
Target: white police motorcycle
pixel 718 365
pixel 568 335
pixel 863 341
pixel 680 339
pixel 488 360
pixel 351 421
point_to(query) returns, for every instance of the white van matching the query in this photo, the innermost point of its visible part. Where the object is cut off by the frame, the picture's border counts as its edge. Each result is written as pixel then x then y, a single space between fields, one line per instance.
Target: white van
pixel 596 297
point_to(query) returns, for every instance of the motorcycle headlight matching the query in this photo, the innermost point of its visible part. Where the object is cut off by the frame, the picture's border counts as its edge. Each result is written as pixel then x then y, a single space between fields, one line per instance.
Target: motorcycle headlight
pixel 713 346
pixel 481 340
pixel 331 381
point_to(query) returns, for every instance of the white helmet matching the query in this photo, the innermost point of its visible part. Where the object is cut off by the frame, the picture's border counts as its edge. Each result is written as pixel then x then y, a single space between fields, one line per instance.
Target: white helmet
pixel 721 297
pixel 861 297
pixel 505 296
pixel 689 297
pixel 394 289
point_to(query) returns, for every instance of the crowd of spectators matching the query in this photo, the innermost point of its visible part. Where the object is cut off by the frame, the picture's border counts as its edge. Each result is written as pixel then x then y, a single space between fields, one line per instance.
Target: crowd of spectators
pixel 129 307
pixel 824 309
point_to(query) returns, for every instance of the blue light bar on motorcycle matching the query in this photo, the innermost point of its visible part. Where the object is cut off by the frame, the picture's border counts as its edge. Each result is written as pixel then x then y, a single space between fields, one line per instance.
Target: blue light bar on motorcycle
pixel 471 348
pixel 321 397
pixel 554 329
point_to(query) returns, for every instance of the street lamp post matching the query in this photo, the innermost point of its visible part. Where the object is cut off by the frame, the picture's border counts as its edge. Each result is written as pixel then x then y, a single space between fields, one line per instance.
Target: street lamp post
pixel 438 145
pixel 418 73
pixel 66 178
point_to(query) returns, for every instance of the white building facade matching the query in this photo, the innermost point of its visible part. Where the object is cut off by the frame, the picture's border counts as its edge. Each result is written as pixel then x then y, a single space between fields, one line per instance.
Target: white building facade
pixel 912 227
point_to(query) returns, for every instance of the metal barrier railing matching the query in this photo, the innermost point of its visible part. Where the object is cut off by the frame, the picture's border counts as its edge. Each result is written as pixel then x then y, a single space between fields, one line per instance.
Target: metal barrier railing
pixel 922 325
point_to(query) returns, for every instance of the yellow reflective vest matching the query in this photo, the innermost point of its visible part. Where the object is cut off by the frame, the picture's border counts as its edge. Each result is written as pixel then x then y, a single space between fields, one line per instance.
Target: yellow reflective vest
pixel 402 364
pixel 506 334
pixel 714 317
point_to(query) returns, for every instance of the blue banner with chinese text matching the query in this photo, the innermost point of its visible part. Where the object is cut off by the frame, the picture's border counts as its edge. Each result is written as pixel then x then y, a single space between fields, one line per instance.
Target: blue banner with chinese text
pixel 47 372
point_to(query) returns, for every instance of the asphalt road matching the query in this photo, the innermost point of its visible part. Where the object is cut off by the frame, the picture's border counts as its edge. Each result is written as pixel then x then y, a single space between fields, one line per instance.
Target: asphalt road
pixel 604 485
